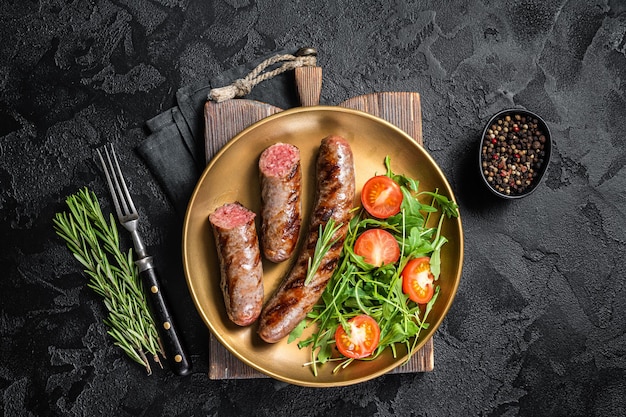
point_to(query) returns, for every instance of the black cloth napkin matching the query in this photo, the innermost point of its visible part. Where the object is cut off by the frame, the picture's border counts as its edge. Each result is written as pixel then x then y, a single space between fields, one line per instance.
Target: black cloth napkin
pixel 174 149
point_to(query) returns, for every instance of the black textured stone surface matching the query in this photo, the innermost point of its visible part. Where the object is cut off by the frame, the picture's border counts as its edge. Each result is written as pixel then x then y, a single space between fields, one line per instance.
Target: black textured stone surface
pixel 538 326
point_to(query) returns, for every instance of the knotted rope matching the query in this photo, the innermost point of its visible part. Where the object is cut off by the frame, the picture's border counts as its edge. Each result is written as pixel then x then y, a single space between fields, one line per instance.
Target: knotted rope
pixel 243 86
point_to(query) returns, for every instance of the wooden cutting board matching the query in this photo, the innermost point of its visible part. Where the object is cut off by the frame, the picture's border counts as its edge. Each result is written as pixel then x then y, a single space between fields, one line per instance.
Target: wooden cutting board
pixel 225 120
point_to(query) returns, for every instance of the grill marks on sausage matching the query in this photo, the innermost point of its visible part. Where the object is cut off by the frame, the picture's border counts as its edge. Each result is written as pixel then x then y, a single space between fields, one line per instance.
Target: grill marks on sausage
pixel 247 241
pixel 274 313
pixel 239 256
pixel 334 198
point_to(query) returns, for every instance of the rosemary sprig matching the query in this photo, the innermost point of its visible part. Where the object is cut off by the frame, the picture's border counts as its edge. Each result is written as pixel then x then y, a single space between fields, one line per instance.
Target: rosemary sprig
pixel 94 242
pixel 324 242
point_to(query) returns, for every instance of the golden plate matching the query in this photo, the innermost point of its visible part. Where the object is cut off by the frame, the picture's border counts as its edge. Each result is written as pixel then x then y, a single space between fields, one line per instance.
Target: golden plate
pixel 232 175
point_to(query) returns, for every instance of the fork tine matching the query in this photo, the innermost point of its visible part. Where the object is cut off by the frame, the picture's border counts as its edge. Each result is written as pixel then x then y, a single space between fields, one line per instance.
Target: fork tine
pixel 110 183
pixel 125 196
pixel 124 206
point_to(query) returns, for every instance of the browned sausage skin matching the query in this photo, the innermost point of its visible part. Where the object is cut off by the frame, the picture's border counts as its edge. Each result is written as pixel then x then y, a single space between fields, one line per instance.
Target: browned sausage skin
pixel 239 257
pixel 281 215
pixel 334 199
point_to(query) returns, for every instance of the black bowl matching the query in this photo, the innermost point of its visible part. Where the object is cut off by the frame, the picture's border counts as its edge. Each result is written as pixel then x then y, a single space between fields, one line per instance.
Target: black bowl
pixel 514 153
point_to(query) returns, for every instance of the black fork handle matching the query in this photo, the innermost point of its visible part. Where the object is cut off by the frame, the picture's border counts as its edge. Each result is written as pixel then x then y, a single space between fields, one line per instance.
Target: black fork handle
pixel 176 355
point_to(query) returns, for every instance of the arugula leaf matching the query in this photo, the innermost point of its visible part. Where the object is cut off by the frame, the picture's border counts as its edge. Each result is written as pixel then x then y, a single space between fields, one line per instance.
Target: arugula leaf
pixel 297 332
pixel 448 207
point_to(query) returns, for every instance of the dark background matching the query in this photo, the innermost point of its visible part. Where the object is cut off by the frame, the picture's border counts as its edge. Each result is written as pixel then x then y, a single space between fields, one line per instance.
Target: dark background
pixel 537 327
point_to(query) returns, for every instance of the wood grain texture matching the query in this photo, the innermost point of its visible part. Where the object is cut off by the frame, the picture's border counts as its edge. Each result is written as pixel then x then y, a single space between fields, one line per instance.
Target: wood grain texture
pixel 402 109
pixel 227 119
pixel 309 85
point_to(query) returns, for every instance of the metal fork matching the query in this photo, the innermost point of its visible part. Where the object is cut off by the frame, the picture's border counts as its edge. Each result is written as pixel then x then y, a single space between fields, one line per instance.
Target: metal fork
pixel 128 217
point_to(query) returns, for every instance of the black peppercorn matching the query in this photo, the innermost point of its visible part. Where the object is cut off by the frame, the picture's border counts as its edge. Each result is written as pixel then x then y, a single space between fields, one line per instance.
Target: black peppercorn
pixel 519 152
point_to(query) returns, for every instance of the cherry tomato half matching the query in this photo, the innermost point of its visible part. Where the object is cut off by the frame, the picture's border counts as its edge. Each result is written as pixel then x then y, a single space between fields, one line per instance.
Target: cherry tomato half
pixel 378 247
pixel 363 339
pixel 417 280
pixel 381 197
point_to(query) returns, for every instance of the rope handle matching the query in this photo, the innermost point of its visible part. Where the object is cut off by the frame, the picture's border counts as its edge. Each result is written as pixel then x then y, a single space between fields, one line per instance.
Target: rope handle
pixel 304 57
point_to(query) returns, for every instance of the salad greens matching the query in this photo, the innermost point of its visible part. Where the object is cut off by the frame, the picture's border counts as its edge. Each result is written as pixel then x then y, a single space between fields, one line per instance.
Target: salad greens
pixel 357 287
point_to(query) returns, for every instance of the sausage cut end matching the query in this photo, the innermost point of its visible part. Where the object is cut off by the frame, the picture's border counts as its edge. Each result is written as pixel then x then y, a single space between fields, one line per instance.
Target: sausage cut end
pixel 279 159
pixel 231 215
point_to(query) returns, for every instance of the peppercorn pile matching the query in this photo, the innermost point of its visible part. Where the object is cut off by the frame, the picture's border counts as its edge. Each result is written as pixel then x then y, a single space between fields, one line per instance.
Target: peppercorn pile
pixel 513 153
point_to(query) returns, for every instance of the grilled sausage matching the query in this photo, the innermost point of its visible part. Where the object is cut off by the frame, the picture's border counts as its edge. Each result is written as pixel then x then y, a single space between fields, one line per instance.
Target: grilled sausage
pixel 241 271
pixel 281 215
pixel 334 198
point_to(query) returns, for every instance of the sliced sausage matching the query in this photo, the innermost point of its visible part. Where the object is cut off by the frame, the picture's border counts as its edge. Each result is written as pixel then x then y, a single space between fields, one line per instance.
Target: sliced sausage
pixel 241 271
pixel 334 199
pixel 281 215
